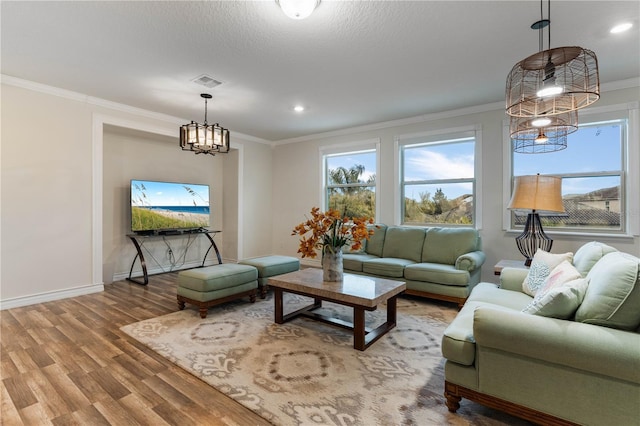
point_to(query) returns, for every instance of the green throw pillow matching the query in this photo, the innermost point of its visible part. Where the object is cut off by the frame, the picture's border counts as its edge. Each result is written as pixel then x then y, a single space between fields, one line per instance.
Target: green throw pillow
pixel 613 295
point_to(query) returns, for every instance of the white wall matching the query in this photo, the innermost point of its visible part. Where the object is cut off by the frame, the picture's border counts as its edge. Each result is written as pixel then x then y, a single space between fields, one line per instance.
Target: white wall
pixel 46 195
pixel 54 199
pixel 130 154
pixel 297 179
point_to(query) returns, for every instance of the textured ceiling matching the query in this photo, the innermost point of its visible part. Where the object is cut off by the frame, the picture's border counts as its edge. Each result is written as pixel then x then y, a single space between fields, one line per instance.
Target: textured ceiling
pixel 351 63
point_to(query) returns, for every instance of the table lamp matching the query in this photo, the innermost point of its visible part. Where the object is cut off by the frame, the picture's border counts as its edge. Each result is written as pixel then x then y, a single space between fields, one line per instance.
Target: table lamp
pixel 535 193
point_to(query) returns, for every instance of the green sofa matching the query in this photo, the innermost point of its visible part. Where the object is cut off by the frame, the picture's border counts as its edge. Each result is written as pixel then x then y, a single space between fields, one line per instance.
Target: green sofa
pixel 582 368
pixel 438 263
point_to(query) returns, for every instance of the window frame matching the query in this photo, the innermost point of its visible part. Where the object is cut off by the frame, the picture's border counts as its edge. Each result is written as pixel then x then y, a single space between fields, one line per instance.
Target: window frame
pixel 629 162
pixel 442 136
pixel 368 145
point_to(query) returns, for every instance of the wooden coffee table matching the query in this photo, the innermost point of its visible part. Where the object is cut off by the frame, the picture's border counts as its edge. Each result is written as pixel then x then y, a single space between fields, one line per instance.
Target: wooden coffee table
pixel 362 293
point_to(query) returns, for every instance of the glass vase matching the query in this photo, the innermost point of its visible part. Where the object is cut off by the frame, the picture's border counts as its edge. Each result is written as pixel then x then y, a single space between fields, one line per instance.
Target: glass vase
pixel 332 264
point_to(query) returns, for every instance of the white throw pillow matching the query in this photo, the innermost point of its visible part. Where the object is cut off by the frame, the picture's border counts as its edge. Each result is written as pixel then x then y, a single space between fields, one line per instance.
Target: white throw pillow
pixel 541 266
pixel 561 294
pixel 560 302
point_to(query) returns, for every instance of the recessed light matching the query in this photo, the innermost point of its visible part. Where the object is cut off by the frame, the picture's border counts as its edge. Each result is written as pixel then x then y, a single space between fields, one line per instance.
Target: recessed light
pixel 620 28
pixel 298 108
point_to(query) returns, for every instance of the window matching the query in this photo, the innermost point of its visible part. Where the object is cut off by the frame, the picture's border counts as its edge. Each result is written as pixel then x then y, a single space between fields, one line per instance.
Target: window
pixel 437 179
pixel 350 182
pixel 592 168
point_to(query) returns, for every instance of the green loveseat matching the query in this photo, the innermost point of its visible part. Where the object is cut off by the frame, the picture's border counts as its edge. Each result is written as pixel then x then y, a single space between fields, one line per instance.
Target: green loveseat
pixel 583 369
pixel 438 263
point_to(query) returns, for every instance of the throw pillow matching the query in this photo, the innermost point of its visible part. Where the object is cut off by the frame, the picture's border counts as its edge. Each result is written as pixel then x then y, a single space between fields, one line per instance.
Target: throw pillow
pixel 613 296
pixel 561 294
pixel 541 266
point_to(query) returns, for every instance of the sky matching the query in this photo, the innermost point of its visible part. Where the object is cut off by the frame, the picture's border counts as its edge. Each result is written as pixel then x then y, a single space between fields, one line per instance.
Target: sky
pixel 592 148
pixel 172 194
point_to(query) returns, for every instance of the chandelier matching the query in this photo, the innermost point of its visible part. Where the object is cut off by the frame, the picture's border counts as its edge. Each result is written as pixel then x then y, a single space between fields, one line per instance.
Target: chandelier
pixel 204 138
pixel 535 135
pixel 552 81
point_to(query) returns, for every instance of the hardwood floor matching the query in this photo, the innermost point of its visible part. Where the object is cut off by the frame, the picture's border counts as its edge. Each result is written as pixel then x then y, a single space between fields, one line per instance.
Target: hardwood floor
pixel 67 363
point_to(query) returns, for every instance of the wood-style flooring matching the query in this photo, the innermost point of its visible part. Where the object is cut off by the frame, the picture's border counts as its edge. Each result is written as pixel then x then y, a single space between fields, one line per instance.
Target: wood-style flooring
pixel 67 363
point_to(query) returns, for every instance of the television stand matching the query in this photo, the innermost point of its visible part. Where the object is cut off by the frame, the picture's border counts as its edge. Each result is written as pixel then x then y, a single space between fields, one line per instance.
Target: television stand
pixel 138 241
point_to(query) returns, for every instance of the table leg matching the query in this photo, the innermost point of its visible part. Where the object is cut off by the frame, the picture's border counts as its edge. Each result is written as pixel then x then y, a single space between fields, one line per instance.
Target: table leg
pixel 358 329
pixel 391 311
pixel 277 296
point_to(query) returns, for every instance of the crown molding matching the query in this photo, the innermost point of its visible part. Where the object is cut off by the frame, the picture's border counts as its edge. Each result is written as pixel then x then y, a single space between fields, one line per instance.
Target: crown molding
pixel 79 97
pixel 103 103
pixel 397 123
pixel 606 87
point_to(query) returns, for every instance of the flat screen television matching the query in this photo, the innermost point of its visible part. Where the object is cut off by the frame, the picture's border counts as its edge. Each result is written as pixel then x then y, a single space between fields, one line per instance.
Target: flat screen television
pixel 161 207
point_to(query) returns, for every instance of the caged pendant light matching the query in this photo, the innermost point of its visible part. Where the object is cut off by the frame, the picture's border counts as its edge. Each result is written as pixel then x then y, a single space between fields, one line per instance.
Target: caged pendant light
pixel 204 138
pixel 552 81
pixel 536 135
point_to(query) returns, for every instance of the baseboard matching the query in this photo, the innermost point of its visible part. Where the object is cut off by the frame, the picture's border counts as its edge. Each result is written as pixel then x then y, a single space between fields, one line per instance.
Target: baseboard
pixel 50 296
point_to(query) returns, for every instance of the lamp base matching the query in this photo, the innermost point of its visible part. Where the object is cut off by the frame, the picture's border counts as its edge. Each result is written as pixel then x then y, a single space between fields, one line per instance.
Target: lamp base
pixel 533 238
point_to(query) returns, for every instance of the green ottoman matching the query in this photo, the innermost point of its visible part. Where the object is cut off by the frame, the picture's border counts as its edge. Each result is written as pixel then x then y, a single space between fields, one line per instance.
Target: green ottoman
pixel 269 266
pixel 206 287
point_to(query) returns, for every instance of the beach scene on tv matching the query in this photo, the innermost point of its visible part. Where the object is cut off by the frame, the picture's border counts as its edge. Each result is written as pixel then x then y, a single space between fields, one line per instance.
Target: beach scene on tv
pixel 168 205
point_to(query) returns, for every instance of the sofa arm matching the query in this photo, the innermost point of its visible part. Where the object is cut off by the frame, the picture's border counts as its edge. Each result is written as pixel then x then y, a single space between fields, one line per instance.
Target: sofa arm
pixel 470 261
pixel 512 278
pixel 588 347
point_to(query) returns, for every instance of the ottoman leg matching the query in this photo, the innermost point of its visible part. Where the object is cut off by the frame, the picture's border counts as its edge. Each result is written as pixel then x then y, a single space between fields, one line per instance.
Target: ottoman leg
pixel 181 303
pixel 263 291
pixel 252 297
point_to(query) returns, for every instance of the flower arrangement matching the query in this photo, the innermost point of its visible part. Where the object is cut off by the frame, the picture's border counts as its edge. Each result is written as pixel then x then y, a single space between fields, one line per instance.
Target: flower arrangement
pixel 331 231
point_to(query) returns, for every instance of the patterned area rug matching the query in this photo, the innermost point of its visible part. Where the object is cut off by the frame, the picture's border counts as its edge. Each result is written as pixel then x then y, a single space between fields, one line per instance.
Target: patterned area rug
pixel 306 372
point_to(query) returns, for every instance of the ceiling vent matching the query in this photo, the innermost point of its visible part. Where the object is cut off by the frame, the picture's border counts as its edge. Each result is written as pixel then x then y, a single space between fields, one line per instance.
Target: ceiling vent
pixel 206 81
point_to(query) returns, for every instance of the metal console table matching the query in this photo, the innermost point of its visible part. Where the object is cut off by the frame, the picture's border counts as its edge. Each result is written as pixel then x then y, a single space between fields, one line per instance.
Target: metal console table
pixel 138 241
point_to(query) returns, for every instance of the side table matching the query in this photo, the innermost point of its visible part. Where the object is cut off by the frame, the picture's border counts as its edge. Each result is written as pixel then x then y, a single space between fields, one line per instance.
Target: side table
pixel 506 263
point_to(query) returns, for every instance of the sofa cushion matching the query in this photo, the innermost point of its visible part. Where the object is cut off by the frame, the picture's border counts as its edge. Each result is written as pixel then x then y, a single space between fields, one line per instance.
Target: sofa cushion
pixel 589 254
pixel 376 241
pixel 541 266
pixel 613 295
pixel 353 261
pixel 386 266
pixel 491 293
pixel 444 245
pixel 437 273
pixel 458 342
pixel 561 293
pixel 404 243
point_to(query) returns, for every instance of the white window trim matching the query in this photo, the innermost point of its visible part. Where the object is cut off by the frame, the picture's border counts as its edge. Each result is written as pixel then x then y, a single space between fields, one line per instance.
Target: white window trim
pixel 346 148
pixel 632 173
pixel 452 132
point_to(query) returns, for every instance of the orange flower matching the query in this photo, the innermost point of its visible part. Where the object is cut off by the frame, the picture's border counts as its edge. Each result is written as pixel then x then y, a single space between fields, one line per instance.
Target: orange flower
pixel 331 231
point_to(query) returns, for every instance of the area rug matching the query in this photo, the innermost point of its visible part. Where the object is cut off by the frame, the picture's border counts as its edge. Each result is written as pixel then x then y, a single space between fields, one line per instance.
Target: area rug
pixel 307 372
